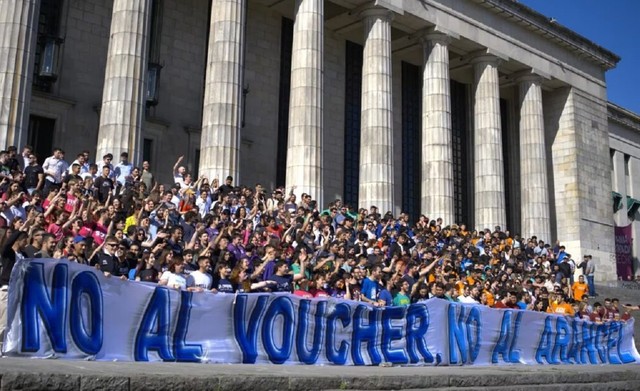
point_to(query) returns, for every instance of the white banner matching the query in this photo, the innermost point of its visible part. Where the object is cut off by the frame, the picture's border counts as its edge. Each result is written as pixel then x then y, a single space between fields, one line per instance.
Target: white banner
pixel 72 311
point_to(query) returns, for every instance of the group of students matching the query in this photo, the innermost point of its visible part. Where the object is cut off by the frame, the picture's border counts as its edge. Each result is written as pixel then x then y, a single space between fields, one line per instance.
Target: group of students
pixel 221 238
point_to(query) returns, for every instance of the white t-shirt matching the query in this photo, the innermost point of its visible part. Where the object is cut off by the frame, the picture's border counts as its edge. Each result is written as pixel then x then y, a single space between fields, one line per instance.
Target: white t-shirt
pixel 199 279
pixel 174 279
pixel 466 299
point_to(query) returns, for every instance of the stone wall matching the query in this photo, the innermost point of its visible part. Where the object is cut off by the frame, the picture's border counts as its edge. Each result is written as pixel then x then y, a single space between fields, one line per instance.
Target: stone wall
pixel 76 97
pixel 580 176
pixel 259 137
pixel 82 66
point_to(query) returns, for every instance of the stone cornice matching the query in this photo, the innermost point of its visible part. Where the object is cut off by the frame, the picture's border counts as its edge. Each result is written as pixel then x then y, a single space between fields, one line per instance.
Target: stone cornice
pixel 547 27
pixel 623 116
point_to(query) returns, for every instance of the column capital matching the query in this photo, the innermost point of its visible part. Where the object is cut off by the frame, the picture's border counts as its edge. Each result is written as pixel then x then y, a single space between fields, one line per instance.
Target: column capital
pixel 487 56
pixel 529 75
pixel 374 11
pixel 436 34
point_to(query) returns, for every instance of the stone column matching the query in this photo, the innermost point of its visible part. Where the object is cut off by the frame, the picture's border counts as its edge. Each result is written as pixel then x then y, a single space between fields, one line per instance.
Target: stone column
pixel 533 161
pixel 489 199
pixel 123 97
pixel 221 114
pixel 437 164
pixel 304 148
pixel 376 185
pixel 619 185
pixel 18 31
pixel 634 191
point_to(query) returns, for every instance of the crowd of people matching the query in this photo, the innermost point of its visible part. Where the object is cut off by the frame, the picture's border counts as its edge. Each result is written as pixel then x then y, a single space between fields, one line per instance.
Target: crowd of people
pixel 204 235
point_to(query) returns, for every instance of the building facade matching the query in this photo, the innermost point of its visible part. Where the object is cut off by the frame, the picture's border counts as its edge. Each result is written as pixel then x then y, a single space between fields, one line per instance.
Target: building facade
pixel 477 111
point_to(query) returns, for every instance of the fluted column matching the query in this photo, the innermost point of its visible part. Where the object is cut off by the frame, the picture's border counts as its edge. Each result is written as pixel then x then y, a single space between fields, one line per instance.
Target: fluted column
pixel 533 161
pixel 437 165
pixel 376 185
pixel 304 149
pixel 18 29
pixel 619 185
pixel 123 97
pixel 221 114
pixel 489 199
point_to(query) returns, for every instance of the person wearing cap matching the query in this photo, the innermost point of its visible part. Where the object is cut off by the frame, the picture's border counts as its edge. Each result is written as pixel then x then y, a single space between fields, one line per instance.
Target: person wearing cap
pixel 104 259
pixel 275 199
pixel 79 250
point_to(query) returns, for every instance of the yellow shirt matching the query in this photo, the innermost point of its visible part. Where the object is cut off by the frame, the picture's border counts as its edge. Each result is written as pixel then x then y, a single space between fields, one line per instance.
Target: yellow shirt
pixel 130 221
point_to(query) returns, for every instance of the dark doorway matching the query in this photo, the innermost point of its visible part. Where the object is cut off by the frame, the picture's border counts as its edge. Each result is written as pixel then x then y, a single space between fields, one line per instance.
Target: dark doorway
pixel 41 131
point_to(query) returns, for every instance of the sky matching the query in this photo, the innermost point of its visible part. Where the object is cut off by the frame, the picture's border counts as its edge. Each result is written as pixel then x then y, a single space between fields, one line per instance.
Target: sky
pixel 612 24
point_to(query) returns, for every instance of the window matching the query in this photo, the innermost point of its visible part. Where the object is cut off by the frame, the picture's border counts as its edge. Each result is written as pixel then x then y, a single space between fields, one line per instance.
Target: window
pixel 47 44
pixel 352 105
pixel 286 47
pixel 411 139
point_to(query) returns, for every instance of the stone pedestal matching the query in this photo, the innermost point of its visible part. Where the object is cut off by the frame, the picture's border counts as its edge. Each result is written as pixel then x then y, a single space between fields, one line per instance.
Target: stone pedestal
pixel 376 185
pixel 221 114
pixel 533 161
pixel 437 164
pixel 489 199
pixel 304 149
pixel 124 94
pixel 18 29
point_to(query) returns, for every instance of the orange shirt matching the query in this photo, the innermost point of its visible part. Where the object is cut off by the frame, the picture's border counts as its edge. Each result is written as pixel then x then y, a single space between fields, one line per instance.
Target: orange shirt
pixel 490 298
pixel 564 308
pixel 579 289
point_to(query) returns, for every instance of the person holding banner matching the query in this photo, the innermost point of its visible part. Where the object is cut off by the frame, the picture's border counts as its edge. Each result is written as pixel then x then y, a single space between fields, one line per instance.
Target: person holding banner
pixel 12 252
pixel 371 287
pixel 174 277
pixel 200 280
pixel 283 279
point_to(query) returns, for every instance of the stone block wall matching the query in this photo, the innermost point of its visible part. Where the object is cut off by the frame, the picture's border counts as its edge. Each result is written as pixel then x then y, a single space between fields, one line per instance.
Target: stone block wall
pixel 594 179
pixel 334 100
pixel 182 56
pixel 580 176
pixel 259 137
pixel 82 65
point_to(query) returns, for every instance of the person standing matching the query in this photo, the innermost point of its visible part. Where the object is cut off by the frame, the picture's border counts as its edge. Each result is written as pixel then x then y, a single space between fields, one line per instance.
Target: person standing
pixel 590 271
pixel 371 286
pixel 147 177
pixel 579 288
pixel 54 168
pixel 12 252
pixel 33 175
pixel 103 185
pixel 123 169
pixel 105 259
